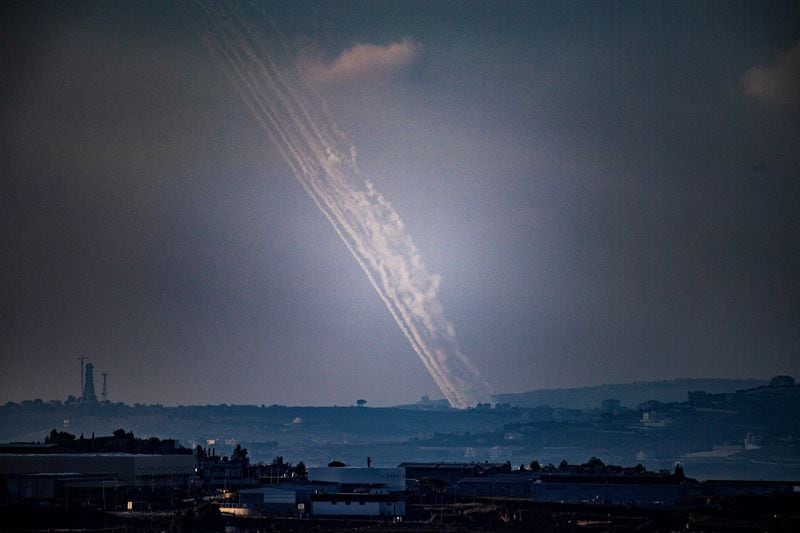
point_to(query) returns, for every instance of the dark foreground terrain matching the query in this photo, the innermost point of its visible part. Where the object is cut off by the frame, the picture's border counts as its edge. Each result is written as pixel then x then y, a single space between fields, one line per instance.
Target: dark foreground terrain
pixel 740 514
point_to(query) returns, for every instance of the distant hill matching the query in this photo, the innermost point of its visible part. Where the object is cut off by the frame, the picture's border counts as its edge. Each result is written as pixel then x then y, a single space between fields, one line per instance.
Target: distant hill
pixel 629 394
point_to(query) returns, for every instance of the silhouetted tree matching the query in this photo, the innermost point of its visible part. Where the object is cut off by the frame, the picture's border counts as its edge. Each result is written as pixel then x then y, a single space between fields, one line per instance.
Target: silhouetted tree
pixel 121 434
pixel 535 466
pixel 239 453
pixel 301 469
pixel 595 462
pixel 59 437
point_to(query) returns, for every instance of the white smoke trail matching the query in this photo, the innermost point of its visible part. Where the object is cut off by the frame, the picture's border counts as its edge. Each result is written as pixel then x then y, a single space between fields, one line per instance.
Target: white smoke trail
pixel 297 122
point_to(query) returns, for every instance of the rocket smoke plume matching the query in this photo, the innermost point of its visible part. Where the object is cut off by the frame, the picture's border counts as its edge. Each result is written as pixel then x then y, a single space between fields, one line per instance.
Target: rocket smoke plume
pixel 297 121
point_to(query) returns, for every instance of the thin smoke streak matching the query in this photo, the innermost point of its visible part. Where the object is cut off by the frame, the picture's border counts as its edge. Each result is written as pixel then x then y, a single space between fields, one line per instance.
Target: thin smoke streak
pixel 332 171
pixel 368 225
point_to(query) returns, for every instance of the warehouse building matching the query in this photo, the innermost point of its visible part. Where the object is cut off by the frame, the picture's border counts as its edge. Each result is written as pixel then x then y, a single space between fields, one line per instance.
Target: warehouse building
pixel 333 491
pixel 637 491
pixel 131 470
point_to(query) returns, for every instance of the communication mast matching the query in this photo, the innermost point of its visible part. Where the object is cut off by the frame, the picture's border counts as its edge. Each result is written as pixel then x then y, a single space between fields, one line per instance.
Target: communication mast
pixel 88 395
pixel 82 359
pixel 104 394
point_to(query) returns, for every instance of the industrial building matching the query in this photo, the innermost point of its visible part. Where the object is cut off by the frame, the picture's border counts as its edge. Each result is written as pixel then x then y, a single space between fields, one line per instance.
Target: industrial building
pixel 727 488
pixel 451 473
pixel 48 485
pixel 512 485
pixel 359 491
pixel 390 479
pixel 131 470
pixel 279 500
pixel 638 491
pixel 334 491
pixel 358 504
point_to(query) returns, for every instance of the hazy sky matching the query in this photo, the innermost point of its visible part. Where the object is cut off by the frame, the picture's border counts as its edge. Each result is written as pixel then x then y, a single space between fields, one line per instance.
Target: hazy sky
pixel 610 192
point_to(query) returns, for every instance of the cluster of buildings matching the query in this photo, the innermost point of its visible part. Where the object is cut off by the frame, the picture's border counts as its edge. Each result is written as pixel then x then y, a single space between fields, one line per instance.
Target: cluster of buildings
pixel 780 390
pixel 49 472
pixel 383 492
pixel 575 484
pixel 334 491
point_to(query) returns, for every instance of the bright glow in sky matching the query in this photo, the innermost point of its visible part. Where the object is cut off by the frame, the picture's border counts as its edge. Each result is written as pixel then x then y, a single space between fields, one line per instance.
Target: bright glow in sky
pixel 608 191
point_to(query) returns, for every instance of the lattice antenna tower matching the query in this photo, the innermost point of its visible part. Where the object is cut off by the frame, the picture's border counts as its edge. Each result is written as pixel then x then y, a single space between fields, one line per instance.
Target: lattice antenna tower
pixel 81 359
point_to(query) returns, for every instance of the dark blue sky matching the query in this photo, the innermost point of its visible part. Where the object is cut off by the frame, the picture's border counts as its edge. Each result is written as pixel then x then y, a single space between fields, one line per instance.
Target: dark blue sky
pixel 608 190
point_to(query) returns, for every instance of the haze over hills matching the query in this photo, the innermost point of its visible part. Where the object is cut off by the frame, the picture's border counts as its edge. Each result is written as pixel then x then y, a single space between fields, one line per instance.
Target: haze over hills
pixel 628 394
pixel 723 430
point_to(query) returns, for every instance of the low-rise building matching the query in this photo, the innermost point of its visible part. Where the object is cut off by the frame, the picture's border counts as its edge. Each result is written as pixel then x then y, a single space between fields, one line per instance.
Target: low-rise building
pixel 512 485
pixel 722 488
pixel 358 504
pixel 639 491
pixel 390 479
pixel 290 499
pixel 132 470
pixel 49 485
pixel 333 491
pixel 451 473
pixel 358 491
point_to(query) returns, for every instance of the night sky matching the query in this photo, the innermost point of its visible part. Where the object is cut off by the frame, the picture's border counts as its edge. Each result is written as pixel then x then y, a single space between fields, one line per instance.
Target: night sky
pixel 610 192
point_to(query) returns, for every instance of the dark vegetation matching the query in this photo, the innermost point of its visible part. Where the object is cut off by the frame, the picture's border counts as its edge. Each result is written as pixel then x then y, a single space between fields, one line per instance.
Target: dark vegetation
pixel 119 442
